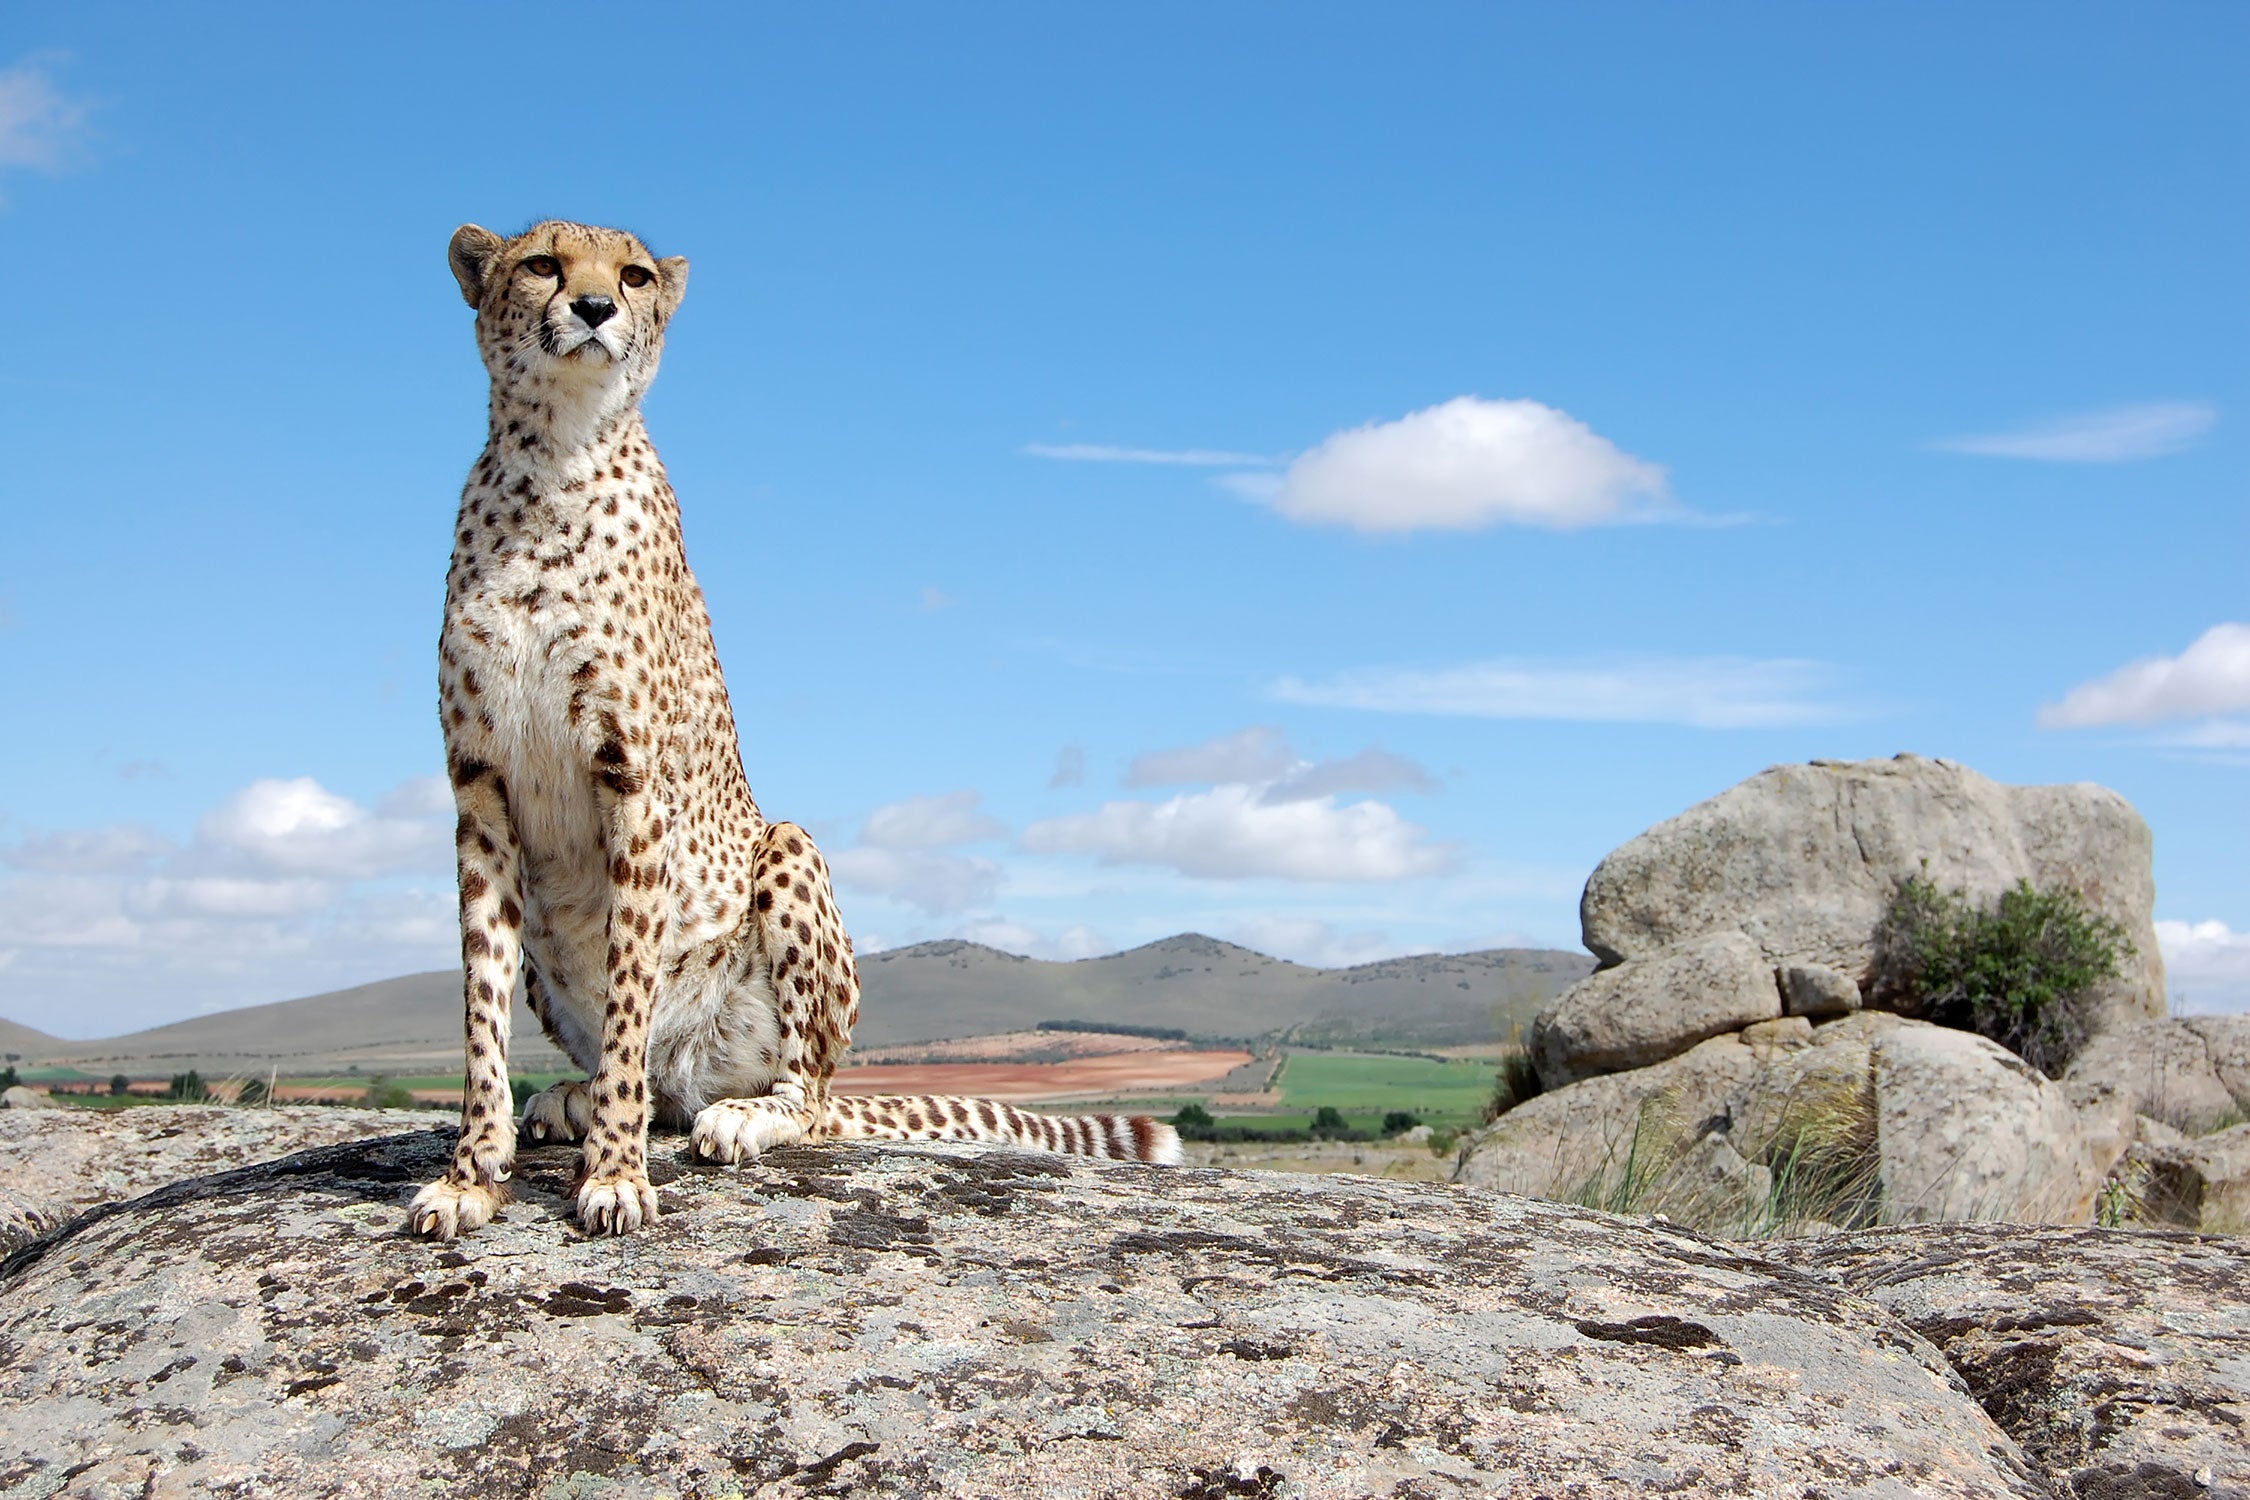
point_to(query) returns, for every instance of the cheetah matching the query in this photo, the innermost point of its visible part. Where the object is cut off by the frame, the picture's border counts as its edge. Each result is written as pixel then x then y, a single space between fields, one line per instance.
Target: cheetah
pixel 686 953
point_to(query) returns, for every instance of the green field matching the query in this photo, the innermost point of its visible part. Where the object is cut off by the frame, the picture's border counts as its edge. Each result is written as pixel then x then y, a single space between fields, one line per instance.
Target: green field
pixel 1441 1093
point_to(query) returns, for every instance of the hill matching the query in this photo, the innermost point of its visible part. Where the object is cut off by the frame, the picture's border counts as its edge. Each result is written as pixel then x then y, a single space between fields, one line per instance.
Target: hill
pixel 1212 989
pixel 27 1041
pixel 929 992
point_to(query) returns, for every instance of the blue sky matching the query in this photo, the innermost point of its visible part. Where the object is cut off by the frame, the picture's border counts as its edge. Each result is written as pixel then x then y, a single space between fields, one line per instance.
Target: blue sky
pixel 1318 475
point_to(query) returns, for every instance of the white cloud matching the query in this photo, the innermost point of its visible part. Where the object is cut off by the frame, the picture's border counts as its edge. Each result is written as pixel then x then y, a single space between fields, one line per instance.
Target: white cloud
pixel 1230 833
pixel 118 849
pixel 301 827
pixel 2211 677
pixel 936 883
pixel 1710 692
pixel 1371 770
pixel 226 898
pixel 1072 943
pixel 1465 464
pixel 2207 965
pixel 1308 940
pixel 1070 768
pixel 1102 453
pixel 1259 753
pixel 2113 435
pixel 2217 734
pixel 286 889
pixel 40 127
pixel 931 823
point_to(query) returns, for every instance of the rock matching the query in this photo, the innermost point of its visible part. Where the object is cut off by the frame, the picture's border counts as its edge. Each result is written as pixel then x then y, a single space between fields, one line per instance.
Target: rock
pixel 24 1218
pixel 1594 1140
pixel 2116 1359
pixel 2199 1182
pixel 1817 991
pixel 16 1096
pixel 1804 860
pixel 1876 1118
pixel 2192 1073
pixel 77 1158
pixel 1643 1012
pixel 1967 1130
pixel 1768 1040
pixel 949 1321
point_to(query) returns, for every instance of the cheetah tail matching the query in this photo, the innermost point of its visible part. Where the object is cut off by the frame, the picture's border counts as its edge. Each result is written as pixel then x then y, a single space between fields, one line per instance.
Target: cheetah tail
pixel 940 1117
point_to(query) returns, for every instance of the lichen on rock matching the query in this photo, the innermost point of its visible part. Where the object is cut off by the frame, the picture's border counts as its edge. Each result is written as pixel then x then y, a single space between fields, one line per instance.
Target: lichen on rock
pixel 949 1320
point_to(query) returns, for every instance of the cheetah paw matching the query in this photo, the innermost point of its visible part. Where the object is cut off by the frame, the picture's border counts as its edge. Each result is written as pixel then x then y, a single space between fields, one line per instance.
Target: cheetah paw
pixel 617 1204
pixel 735 1133
pixel 447 1209
pixel 562 1113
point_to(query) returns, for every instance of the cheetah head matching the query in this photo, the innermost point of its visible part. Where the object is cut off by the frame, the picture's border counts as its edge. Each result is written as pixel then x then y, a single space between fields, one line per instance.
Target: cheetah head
pixel 568 305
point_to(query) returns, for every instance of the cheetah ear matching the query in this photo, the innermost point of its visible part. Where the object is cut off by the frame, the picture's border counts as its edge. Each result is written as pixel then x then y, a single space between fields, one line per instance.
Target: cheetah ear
pixel 471 255
pixel 674 275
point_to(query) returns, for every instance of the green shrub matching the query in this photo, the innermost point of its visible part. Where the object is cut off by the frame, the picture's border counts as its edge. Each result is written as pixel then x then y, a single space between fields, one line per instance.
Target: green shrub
pixel 1399 1121
pixel 254 1091
pixel 384 1094
pixel 1194 1123
pixel 2021 972
pixel 1328 1124
pixel 188 1088
pixel 120 1085
pixel 1516 1081
pixel 8 1078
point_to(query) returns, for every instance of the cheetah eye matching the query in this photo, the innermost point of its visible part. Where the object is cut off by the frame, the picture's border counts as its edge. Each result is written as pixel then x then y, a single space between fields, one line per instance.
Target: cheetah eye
pixel 636 276
pixel 544 265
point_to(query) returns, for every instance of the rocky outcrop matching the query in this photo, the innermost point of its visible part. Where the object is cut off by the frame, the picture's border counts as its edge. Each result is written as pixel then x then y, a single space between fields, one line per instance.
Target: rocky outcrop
pixel 18 1096
pixel 2190 1073
pixel 2116 1359
pixel 934 1320
pixel 58 1163
pixel 2196 1182
pixel 1817 992
pixel 1876 1118
pixel 1643 1011
pixel 1803 859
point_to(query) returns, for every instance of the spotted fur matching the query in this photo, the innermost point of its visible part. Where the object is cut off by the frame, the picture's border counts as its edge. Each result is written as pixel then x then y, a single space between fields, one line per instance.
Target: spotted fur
pixel 684 951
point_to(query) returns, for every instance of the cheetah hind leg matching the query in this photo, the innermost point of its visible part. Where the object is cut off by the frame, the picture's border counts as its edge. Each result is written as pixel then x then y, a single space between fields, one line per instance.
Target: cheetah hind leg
pixel 734 1131
pixel 562 1113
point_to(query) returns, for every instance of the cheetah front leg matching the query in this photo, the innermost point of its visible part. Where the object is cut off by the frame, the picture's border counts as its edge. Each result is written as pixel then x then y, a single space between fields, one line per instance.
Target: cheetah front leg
pixel 491 879
pixel 614 1195
pixel 794 922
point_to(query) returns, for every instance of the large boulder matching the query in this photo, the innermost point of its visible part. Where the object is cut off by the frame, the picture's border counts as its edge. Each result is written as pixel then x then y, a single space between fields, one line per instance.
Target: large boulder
pixel 1804 860
pixel 1876 1118
pixel 71 1160
pixel 2199 1182
pixel 1595 1141
pixel 2191 1073
pixel 2117 1359
pixel 1967 1130
pixel 1646 1010
pixel 949 1321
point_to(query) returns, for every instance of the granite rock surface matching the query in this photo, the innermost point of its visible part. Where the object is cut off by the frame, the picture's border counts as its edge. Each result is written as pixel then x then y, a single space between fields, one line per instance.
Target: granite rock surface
pixel 949 1321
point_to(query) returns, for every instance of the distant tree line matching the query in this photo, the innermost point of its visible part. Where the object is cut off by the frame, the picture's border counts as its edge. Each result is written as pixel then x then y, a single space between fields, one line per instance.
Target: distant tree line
pixel 1196 1123
pixel 1118 1028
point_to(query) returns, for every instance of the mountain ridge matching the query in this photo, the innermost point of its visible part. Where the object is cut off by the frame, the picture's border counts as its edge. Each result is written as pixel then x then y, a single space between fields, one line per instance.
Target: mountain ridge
pixel 924 992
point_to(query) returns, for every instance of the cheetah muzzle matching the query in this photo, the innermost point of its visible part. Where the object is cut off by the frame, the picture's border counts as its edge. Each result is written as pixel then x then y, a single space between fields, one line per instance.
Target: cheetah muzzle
pixel 685 952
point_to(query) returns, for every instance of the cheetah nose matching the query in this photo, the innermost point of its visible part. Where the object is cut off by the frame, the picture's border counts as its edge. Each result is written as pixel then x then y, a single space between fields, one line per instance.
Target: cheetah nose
pixel 594 311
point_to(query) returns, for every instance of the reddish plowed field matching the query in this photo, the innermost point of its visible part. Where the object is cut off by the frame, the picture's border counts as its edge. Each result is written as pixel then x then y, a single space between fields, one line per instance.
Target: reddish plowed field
pixel 1114 1073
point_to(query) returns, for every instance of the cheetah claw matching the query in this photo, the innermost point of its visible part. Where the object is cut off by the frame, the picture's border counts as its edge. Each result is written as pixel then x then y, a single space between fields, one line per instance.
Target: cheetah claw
pixel 616 1204
pixel 447 1209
